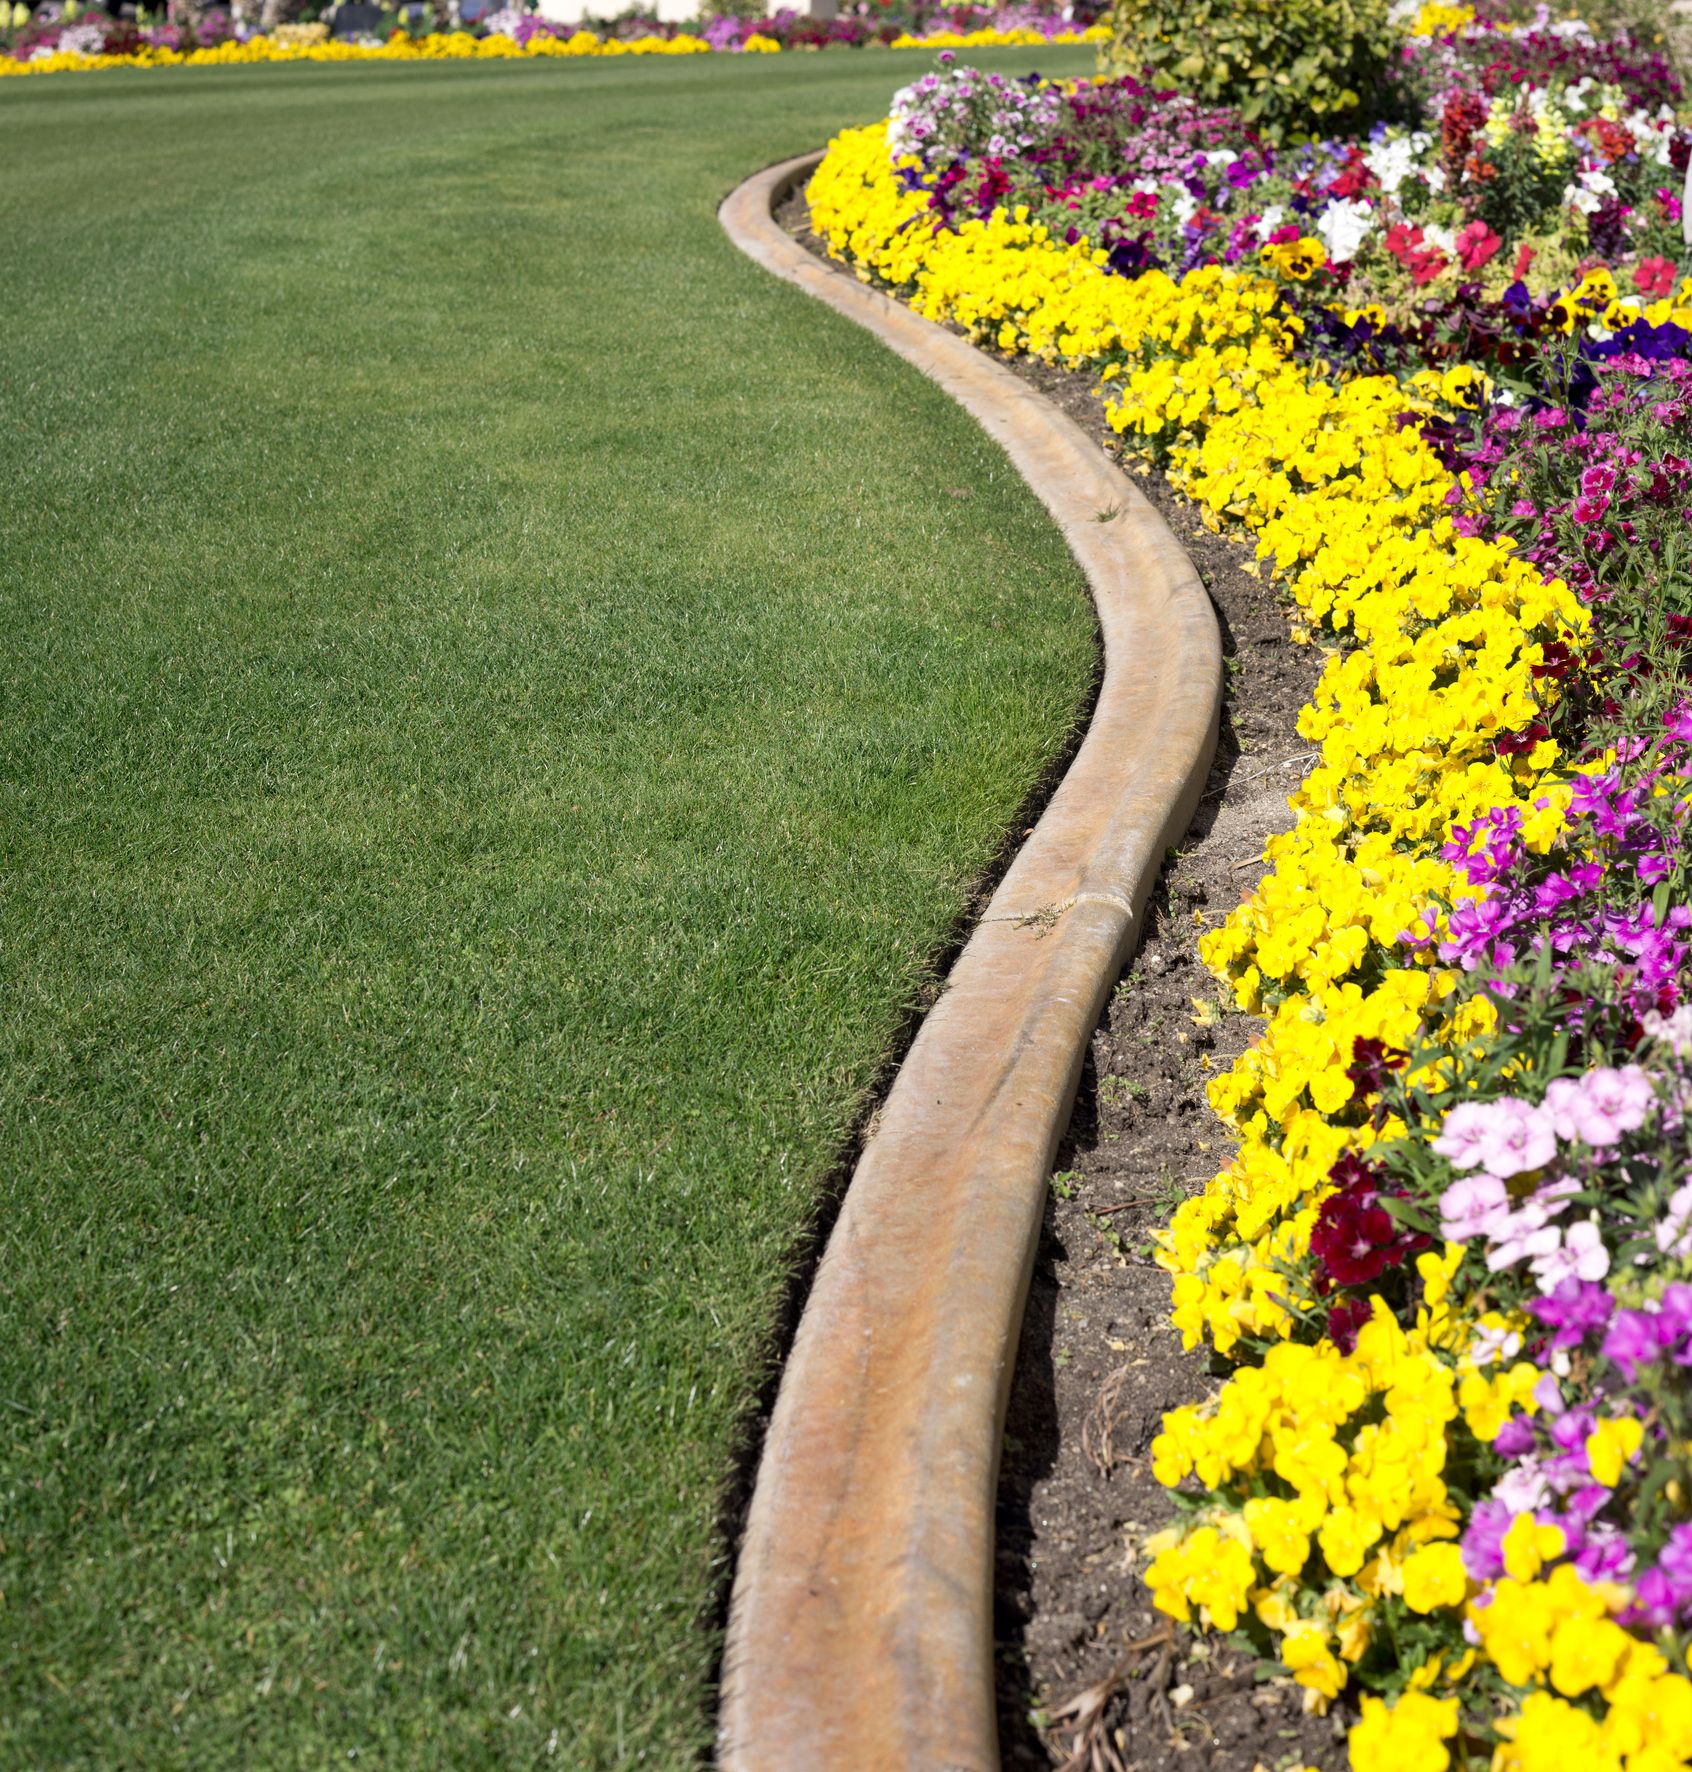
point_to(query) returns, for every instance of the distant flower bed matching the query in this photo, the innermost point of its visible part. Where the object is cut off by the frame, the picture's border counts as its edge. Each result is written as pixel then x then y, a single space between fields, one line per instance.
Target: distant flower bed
pixel 91 40
pixel 1442 377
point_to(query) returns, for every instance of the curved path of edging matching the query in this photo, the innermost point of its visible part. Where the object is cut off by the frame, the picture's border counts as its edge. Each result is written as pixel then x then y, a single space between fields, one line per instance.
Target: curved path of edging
pixel 861 1624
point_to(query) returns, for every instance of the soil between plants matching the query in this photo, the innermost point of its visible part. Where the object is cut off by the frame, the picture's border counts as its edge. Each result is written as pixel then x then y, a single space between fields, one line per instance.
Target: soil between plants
pixel 1089 1677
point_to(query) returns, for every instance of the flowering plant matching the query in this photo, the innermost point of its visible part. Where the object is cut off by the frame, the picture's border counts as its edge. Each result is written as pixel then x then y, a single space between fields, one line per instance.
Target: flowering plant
pixel 1451 1264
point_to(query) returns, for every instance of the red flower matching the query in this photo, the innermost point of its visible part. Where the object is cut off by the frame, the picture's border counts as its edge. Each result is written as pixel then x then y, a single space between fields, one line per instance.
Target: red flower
pixel 1518 744
pixel 1476 245
pixel 1402 241
pixel 1355 1235
pixel 1524 258
pixel 1654 277
pixel 1345 1319
pixel 1423 262
pixel 1356 1239
pixel 1372 1062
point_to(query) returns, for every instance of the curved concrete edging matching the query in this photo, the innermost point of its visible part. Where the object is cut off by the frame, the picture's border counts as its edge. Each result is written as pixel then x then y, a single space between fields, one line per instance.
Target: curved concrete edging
pixel 861 1624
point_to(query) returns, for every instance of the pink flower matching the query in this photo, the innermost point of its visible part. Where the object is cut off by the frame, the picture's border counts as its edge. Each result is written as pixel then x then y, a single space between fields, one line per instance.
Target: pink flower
pixel 1517 1138
pixel 1475 1206
pixel 1460 1138
pixel 1588 508
pixel 1598 479
pixel 1654 277
pixel 1611 1102
pixel 1674 1231
pixel 1523 1234
pixel 1476 244
pixel 1562 1095
pixel 1582 1256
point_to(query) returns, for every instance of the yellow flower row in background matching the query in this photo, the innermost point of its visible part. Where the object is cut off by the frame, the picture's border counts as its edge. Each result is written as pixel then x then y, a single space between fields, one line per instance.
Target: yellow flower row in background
pixel 1328 1517
pixel 294 45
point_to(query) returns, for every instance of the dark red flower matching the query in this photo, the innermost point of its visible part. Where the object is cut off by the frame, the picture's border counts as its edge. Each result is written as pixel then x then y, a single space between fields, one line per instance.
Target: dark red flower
pixel 1372 1062
pixel 1518 744
pixel 1345 1319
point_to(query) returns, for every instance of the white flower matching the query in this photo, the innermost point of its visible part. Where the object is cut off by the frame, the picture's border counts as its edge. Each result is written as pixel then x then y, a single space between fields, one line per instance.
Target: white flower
pixel 1673 1030
pixel 1393 161
pixel 1589 190
pixel 1269 221
pixel 1344 227
pixel 1494 1343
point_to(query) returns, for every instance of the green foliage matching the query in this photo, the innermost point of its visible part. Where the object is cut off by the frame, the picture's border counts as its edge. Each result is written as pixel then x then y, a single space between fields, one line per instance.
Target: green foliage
pixel 1291 67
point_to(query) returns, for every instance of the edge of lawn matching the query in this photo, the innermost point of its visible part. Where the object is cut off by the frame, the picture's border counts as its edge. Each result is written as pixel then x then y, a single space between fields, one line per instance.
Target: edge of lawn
pixel 860 1620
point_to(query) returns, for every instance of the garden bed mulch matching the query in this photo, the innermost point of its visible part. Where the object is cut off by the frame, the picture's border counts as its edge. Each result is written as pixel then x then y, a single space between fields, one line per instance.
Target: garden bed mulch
pixel 1089 1675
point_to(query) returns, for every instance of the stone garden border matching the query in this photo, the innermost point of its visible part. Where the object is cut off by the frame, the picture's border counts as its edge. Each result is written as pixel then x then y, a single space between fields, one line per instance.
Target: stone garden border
pixel 861 1623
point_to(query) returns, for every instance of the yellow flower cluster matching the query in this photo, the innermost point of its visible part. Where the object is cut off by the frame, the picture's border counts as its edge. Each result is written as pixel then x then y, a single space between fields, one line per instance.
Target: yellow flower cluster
pixel 285 46
pixel 1551 1632
pixel 436 46
pixel 1556 1635
pixel 989 37
pixel 1438 18
pixel 1327 1516
pixel 1337 1457
pixel 1596 300
pixel 1349 503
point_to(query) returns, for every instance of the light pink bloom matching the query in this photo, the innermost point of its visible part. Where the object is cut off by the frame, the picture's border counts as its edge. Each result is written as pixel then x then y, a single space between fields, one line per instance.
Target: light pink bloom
pixel 1522 1488
pixel 1473 1206
pixel 1525 1234
pixel 1517 1138
pixel 1674 1231
pixel 1611 1103
pixel 1461 1136
pixel 1562 1095
pixel 1582 1256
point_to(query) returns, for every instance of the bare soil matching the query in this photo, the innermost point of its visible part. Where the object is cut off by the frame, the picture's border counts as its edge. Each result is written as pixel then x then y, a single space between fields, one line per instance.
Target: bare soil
pixel 1090 1676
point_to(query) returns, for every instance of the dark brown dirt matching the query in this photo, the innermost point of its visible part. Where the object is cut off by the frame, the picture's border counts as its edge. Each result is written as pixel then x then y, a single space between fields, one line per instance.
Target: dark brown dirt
pixel 1082 1678
pixel 1089 1677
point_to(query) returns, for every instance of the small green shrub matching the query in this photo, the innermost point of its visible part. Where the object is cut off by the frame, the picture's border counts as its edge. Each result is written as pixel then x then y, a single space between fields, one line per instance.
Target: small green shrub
pixel 1292 67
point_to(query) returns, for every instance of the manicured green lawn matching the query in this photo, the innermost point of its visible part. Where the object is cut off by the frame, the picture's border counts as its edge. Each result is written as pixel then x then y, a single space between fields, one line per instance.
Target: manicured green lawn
pixel 501 702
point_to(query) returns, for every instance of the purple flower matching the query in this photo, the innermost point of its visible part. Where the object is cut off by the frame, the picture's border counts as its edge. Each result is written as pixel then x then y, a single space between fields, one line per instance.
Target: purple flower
pixel 1483 1540
pixel 1631 1342
pixel 1575 1309
pixel 1516 1438
pixel 1600 1552
pixel 1655 1602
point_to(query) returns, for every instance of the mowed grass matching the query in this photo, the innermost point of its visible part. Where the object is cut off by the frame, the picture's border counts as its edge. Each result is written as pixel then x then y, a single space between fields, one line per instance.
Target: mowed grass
pixel 502 701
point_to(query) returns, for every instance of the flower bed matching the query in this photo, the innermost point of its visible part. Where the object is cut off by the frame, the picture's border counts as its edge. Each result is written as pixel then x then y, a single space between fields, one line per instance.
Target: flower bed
pixel 87 41
pixel 1441 376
